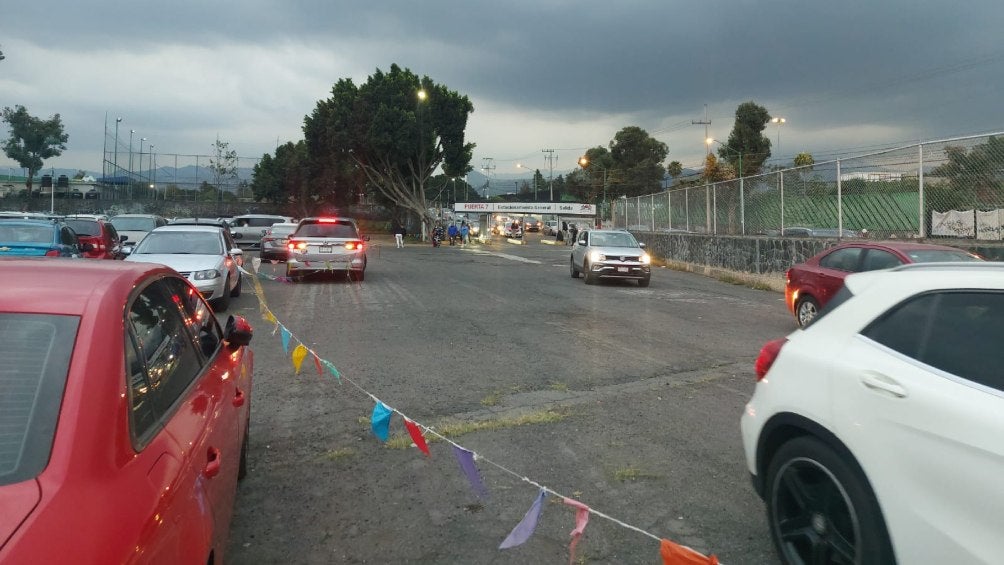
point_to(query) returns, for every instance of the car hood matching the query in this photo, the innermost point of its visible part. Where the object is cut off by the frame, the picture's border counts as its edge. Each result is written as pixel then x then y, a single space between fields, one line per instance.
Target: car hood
pixel 17 500
pixel 618 251
pixel 179 262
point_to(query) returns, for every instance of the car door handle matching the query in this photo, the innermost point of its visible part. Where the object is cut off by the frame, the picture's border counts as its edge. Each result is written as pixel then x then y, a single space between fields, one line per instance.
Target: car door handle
pixel 878 381
pixel 213 463
pixel 239 398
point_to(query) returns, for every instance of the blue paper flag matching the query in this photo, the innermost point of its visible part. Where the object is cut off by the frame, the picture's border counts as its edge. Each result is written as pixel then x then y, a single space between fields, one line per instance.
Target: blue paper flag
pixel 285 338
pixel 466 460
pixel 527 525
pixel 380 421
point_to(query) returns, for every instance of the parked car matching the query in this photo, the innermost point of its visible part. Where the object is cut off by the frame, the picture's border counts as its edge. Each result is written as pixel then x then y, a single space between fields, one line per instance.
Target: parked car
pixel 249 228
pixel 202 254
pixel 105 241
pixel 551 227
pixel 123 442
pixel 273 243
pixel 615 254
pixel 532 224
pixel 810 285
pixel 136 226
pixel 218 222
pixel 874 433
pixel 327 244
pixel 39 238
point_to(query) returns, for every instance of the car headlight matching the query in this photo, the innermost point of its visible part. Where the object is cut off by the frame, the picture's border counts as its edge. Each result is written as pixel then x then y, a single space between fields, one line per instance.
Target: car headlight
pixel 595 256
pixel 206 275
pixel 646 259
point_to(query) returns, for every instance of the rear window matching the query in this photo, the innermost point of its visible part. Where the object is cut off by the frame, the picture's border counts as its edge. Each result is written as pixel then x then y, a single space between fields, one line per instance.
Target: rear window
pixel 35 350
pixel 940 255
pixel 332 229
pixel 24 233
pixel 87 228
pixel 134 224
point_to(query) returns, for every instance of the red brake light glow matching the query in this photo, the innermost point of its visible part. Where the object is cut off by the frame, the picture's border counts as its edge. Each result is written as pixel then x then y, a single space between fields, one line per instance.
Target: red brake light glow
pixel 52 253
pixel 768 354
pixel 354 245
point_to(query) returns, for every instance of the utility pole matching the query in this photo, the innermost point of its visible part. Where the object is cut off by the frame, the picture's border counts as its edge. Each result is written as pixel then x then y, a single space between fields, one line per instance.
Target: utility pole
pixel 550 176
pixel 487 165
pixel 706 122
pixel 707 191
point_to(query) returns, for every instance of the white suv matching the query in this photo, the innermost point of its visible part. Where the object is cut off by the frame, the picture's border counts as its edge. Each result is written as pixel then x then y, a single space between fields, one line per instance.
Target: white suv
pixel 248 229
pixel 876 434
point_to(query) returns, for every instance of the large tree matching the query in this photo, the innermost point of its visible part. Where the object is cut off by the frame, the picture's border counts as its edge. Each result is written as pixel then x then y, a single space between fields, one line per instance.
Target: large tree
pixel 974 175
pixel 396 129
pixel 637 157
pixel 747 140
pixel 32 140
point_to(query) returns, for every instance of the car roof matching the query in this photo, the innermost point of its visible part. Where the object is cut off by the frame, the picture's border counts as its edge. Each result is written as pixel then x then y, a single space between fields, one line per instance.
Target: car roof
pixel 897 245
pixel 31 221
pixel 107 282
pixel 136 216
pixel 213 228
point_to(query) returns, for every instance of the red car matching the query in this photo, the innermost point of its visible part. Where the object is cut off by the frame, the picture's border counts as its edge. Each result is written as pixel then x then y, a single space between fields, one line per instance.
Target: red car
pixel 810 285
pixel 125 409
pixel 105 241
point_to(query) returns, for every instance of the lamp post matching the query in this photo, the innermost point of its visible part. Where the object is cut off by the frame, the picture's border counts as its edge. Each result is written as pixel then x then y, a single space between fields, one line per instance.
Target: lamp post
pixel 585 164
pixel 153 178
pixel 742 194
pixel 117 122
pixel 141 140
pixel 522 166
pixel 778 121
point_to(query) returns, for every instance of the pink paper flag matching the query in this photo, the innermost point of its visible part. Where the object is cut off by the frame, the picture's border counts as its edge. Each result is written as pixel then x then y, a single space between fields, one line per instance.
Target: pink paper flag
pixel 581 519
pixel 416 436
pixel 317 363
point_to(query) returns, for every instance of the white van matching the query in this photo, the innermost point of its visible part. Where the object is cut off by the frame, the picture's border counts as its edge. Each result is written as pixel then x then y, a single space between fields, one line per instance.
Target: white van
pixel 249 228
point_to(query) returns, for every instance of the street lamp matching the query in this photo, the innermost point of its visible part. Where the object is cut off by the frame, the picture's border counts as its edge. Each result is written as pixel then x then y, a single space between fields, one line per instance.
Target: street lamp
pixel 153 177
pixel 141 140
pixel 132 131
pixel 585 164
pixel 778 121
pixel 742 193
pixel 522 166
pixel 117 122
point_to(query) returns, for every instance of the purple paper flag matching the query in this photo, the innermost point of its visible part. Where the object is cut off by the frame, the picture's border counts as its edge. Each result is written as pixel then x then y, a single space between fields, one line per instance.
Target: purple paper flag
pixel 466 460
pixel 380 421
pixel 527 525
pixel 285 338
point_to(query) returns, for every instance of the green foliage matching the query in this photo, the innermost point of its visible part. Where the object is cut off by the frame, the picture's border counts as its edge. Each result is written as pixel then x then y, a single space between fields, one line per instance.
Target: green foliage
pixel 638 159
pixel 32 140
pixel 746 143
pixel 973 177
pixel 804 159
pixel 674 169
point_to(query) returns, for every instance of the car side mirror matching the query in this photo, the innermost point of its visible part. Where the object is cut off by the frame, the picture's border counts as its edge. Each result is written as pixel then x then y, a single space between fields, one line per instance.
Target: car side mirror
pixel 85 247
pixel 123 238
pixel 127 250
pixel 238 332
pixel 642 245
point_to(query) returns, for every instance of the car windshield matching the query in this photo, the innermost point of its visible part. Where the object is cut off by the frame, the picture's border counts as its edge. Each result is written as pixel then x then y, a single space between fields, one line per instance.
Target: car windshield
pixel 939 255
pixel 178 242
pixel 612 240
pixel 282 230
pixel 36 350
pixel 85 227
pixel 134 224
pixel 25 234
pixel 340 229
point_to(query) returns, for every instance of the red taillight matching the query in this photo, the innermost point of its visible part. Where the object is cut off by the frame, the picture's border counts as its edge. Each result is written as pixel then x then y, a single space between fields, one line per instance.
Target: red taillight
pixel 296 246
pixel 354 245
pixel 52 253
pixel 768 354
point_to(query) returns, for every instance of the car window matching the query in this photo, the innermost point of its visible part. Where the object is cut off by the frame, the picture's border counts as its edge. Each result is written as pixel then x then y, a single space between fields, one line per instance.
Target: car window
pixel 262 222
pixel 88 228
pixel 876 259
pixel 612 240
pixel 958 332
pixel 36 352
pixel 333 229
pixel 67 236
pixel 202 324
pixel 939 255
pixel 844 259
pixel 163 346
pixel 190 242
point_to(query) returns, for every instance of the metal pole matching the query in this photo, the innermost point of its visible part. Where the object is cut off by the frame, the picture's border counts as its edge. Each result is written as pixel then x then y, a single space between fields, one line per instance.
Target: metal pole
pixel 840 202
pixel 922 224
pixel 652 208
pixel 116 167
pixel 742 196
pixel 686 206
pixel 780 177
pixel 714 204
pixel 669 209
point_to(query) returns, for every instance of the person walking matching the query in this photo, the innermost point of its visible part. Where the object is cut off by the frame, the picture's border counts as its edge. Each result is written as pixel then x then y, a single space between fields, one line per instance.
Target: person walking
pixel 452 232
pixel 465 234
pixel 564 232
pixel 399 232
pixel 574 231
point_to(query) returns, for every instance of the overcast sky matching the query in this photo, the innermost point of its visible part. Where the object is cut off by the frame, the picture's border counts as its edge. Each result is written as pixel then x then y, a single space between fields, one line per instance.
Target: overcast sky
pixel 847 76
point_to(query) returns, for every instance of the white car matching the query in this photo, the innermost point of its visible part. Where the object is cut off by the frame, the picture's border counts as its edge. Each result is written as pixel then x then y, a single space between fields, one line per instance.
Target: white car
pixel 136 226
pixel 876 434
pixel 205 255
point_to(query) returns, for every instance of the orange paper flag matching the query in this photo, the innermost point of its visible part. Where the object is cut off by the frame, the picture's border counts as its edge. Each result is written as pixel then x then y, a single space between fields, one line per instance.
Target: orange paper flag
pixel 676 554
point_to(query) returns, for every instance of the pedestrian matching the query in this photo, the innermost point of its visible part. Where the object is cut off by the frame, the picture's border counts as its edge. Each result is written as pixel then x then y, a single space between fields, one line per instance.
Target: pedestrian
pixel 399 233
pixel 452 232
pixel 574 232
pixel 564 231
pixel 465 234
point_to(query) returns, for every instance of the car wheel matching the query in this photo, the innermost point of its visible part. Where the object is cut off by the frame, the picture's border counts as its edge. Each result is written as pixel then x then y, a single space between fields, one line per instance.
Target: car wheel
pixel 820 508
pixel 237 289
pixel 806 309
pixel 571 267
pixel 223 302
pixel 643 282
pixel 587 272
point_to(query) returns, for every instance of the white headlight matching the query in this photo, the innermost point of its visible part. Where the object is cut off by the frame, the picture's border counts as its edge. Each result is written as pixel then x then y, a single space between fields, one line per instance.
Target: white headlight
pixel 208 274
pixel 645 259
pixel 595 256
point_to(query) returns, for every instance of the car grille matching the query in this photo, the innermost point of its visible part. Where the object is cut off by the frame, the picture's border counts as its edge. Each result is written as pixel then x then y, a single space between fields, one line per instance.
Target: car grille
pixel 185 274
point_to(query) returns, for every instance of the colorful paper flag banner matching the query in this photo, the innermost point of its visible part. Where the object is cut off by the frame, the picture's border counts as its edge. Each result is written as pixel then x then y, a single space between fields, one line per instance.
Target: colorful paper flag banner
pixel 581 520
pixel 676 554
pixel 331 369
pixel 380 421
pixel 525 528
pixel 317 365
pixel 416 436
pixel 466 460
pixel 284 333
pixel 299 354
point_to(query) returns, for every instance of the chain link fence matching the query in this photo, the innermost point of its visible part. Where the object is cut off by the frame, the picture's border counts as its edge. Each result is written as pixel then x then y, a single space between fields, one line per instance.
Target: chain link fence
pixel 951 187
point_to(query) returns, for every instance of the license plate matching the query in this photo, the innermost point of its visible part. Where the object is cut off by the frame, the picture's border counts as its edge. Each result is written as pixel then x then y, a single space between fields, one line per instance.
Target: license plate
pixel 622 269
pixel 324 249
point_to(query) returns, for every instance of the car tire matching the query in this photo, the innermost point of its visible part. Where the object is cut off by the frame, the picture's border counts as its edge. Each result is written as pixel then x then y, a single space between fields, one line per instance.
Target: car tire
pixel 571 267
pixel 237 288
pixel 805 310
pixel 820 507
pixel 223 302
pixel 644 282
pixel 588 274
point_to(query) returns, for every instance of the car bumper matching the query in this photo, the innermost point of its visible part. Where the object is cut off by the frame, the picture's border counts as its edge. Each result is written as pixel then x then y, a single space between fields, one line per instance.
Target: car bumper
pixel 338 264
pixel 620 270
pixel 212 288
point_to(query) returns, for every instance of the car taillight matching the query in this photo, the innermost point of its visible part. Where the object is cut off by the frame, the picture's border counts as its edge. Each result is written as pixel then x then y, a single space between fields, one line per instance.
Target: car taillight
pixel 354 245
pixel 52 253
pixel 297 246
pixel 768 354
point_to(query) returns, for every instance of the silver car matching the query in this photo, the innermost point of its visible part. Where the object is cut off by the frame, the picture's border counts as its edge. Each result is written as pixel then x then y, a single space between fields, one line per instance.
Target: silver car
pixel 249 228
pixel 614 254
pixel 327 244
pixel 205 255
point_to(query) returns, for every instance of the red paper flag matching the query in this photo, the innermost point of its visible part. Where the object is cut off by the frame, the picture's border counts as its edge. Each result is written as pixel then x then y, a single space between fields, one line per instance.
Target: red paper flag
pixel 317 363
pixel 416 436
pixel 676 554
pixel 581 519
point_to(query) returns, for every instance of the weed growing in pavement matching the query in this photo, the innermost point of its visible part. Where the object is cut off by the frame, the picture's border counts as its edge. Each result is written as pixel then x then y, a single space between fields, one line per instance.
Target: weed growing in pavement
pixel 455 429
pixel 755 281
pixel 560 387
pixel 336 454
pixel 492 399
pixel 632 473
